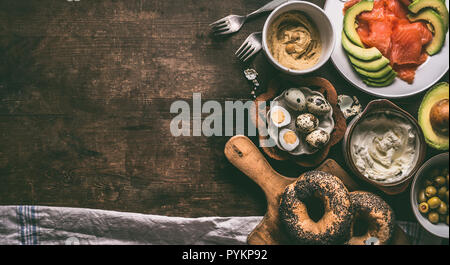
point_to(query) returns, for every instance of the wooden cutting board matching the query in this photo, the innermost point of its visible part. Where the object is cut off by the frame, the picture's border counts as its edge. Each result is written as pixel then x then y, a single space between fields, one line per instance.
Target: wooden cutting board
pixel 244 155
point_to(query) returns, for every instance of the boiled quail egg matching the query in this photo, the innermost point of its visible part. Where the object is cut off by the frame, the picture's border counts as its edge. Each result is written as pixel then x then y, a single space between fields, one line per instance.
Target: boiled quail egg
pixel 317 105
pixel 288 140
pixel 318 138
pixel 280 116
pixel 295 99
pixel 306 123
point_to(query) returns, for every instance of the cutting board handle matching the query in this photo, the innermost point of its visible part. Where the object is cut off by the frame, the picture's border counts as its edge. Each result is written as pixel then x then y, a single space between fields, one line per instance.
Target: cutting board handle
pixel 244 155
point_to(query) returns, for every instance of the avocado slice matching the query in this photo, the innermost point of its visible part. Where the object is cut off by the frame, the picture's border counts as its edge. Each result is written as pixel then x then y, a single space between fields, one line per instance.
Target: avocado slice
pixel 371 66
pixel 438 5
pixel 439 29
pixel 436 94
pixel 358 52
pixel 387 82
pixel 350 20
pixel 375 75
pixel 383 79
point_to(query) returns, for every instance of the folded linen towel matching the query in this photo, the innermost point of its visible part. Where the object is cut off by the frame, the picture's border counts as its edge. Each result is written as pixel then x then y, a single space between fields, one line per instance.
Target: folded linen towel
pixel 59 225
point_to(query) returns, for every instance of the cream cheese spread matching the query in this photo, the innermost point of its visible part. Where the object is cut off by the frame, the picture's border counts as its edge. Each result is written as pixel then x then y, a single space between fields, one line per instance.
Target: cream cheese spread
pixel 384 147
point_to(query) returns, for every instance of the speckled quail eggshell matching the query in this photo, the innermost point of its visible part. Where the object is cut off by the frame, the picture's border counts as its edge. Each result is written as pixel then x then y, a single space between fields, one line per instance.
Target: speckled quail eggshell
pixel 317 105
pixel 288 146
pixel 349 106
pixel 306 123
pixel 318 138
pixel 295 99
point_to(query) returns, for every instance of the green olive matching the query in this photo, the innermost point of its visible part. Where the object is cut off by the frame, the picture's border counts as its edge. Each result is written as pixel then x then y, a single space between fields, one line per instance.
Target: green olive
pixel 442 192
pixel 430 191
pixel 439 181
pixel 434 202
pixel 422 197
pixel 443 208
pixel 433 217
pixel 447 220
pixel 424 208
pixel 428 182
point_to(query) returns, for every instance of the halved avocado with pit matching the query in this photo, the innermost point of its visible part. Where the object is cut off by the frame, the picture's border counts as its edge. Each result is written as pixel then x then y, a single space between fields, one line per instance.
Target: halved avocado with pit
pixel 350 20
pixel 433 116
pixel 438 5
pixel 358 52
pixel 440 31
pixel 371 66
pixel 375 75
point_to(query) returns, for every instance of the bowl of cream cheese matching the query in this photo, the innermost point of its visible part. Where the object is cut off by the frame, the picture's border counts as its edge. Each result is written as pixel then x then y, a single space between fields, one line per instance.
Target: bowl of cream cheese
pixel 384 146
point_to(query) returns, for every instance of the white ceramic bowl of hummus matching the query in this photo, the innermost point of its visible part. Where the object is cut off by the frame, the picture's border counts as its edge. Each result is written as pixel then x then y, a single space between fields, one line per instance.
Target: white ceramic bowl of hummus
pixel 298 38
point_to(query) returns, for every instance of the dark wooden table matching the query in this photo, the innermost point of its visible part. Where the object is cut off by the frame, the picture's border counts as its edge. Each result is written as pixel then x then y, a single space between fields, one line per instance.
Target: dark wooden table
pixel 85 95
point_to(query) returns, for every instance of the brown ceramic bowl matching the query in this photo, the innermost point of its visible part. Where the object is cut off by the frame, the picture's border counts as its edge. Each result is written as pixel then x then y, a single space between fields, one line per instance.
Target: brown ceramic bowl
pixel 385 106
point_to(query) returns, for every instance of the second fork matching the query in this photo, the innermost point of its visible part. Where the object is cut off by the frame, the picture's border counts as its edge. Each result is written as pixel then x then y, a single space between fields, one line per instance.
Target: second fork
pixel 250 47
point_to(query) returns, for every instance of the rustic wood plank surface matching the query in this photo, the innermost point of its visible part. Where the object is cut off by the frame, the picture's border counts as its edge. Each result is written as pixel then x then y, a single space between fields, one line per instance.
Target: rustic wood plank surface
pixel 85 95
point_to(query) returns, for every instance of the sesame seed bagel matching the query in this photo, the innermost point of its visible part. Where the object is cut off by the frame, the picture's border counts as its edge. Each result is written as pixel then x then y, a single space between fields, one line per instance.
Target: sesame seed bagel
pixel 333 227
pixel 377 215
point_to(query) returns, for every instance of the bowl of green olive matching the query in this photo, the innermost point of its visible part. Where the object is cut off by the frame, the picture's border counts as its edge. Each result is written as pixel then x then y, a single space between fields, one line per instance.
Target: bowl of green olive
pixel 429 195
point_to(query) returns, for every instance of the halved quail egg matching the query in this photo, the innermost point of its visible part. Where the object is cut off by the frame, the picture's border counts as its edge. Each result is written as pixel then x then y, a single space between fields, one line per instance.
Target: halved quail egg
pixel 295 99
pixel 288 140
pixel 306 123
pixel 280 116
pixel 317 105
pixel 318 138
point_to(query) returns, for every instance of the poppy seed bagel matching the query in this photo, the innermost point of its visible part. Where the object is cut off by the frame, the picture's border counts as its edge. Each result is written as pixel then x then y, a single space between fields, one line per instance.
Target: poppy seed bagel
pixel 377 216
pixel 334 225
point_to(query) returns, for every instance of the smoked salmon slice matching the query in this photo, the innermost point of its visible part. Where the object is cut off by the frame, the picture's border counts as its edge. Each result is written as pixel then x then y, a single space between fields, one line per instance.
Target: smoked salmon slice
pixel 388 29
pixel 407 43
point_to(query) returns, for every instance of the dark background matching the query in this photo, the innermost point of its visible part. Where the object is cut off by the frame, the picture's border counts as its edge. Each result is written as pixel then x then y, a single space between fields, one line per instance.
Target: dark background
pixel 85 94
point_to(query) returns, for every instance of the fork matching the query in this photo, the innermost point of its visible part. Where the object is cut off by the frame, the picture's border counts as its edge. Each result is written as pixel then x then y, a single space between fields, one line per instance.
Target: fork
pixel 250 47
pixel 233 23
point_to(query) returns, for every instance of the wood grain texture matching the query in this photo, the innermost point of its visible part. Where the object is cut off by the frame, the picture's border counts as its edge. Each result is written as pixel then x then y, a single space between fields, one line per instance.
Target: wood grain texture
pixel 85 94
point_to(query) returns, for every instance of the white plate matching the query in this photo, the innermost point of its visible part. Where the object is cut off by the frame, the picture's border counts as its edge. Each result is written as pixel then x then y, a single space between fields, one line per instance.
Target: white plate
pixel 426 75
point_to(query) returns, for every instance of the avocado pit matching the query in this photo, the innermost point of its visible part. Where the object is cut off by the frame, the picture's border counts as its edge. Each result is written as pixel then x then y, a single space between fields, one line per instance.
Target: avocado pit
pixel 439 117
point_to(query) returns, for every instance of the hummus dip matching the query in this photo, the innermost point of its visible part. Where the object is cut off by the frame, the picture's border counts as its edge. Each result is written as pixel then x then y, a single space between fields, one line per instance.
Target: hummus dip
pixel 383 147
pixel 294 41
